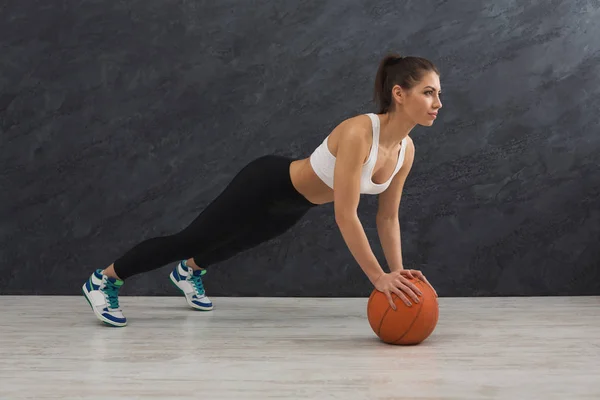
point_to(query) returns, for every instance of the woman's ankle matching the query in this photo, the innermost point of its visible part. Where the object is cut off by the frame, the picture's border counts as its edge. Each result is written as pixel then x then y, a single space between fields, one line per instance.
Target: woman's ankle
pixel 192 264
pixel 110 272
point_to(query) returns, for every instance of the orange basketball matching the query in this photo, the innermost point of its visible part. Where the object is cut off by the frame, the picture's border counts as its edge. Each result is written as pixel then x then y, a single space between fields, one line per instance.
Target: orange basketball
pixel 406 325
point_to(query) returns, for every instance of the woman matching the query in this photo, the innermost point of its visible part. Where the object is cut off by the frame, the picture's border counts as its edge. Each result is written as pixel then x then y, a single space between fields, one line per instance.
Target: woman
pixel 365 154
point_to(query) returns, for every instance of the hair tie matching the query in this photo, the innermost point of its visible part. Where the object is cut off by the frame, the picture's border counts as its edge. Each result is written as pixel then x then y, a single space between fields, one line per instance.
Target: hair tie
pixel 395 60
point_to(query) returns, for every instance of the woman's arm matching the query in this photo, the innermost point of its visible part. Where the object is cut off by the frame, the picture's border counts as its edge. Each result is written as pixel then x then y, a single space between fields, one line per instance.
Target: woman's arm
pixel 388 222
pixel 391 242
pixel 352 149
pixel 351 152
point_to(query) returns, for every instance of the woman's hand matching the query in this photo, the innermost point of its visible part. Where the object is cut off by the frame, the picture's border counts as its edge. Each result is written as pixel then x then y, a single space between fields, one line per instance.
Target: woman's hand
pixel 397 282
pixel 413 273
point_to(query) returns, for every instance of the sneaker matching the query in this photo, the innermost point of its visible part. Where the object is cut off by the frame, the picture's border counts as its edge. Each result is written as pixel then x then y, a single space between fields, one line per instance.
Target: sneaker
pixel 102 294
pixel 189 281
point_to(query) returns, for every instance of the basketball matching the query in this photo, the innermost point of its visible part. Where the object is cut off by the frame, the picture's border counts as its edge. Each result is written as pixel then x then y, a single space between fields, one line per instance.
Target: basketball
pixel 407 325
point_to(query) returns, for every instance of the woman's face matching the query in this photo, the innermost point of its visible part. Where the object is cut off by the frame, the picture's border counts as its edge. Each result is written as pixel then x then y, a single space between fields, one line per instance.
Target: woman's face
pixel 422 102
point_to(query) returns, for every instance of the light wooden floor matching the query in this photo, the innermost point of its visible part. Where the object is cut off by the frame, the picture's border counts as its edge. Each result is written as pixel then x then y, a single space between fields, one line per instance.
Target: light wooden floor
pixel 256 348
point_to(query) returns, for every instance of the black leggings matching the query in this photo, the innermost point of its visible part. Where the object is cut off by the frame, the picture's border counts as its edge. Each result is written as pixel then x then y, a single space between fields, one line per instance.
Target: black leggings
pixel 260 203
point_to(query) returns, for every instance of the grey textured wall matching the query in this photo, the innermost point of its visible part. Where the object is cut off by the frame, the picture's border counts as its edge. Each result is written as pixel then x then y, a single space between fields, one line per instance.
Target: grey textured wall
pixel 120 121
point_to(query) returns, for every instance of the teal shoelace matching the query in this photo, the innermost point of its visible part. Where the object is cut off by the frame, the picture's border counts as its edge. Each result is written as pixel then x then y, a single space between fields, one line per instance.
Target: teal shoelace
pixel 197 282
pixel 112 295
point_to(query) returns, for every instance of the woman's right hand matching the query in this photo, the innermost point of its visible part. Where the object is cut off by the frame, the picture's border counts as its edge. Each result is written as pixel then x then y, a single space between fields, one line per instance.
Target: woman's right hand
pixel 394 282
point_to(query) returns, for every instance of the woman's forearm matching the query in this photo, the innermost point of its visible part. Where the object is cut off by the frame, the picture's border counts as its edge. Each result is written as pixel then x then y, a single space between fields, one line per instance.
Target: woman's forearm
pixel 354 235
pixel 388 230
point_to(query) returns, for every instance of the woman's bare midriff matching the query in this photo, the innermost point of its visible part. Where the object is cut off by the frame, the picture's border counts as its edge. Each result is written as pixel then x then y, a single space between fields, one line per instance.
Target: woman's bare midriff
pixel 308 184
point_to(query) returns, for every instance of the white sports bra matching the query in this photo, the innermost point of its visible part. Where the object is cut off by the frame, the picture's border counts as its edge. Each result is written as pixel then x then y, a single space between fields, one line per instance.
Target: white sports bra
pixel 323 163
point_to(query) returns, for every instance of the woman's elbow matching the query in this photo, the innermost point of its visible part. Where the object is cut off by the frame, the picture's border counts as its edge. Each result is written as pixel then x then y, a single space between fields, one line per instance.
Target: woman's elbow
pixel 344 216
pixel 387 218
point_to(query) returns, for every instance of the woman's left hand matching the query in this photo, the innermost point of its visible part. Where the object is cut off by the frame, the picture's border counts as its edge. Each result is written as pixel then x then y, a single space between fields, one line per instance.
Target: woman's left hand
pixel 413 273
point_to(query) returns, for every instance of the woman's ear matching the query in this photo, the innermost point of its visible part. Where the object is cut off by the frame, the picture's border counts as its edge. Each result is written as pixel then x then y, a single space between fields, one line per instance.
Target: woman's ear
pixel 398 94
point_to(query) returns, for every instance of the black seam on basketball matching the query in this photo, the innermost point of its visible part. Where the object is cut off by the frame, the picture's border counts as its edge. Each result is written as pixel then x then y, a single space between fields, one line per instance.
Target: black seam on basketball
pixel 383 319
pixel 412 323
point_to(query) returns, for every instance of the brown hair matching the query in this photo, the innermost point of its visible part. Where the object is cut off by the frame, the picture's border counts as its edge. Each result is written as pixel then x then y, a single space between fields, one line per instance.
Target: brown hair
pixel 397 70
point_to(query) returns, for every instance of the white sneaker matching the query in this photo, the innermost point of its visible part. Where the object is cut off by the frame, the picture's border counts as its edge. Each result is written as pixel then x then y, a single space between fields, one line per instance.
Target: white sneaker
pixel 102 294
pixel 189 281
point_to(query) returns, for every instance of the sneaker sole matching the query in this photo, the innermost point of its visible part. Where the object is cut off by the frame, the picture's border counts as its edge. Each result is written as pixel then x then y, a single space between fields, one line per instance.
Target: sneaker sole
pixel 98 315
pixel 194 306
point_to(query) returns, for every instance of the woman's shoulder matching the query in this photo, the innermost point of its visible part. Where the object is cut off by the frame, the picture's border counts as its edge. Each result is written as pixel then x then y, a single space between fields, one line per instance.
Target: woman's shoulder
pixel 355 130
pixel 360 122
pixel 357 126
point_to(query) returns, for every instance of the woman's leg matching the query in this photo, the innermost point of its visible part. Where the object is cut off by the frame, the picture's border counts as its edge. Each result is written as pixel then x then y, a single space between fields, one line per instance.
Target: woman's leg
pixel 240 205
pixel 187 275
pixel 259 204
pixel 275 214
pixel 247 236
